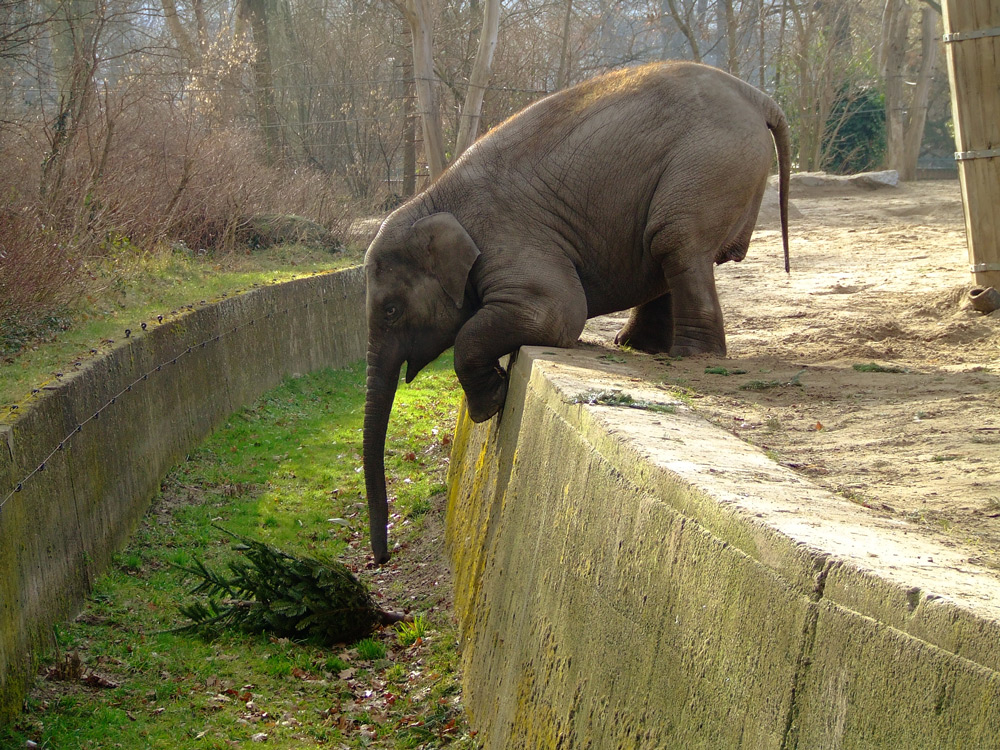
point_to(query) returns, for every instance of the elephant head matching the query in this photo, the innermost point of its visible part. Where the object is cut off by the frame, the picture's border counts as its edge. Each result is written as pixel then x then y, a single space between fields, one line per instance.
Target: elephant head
pixel 416 274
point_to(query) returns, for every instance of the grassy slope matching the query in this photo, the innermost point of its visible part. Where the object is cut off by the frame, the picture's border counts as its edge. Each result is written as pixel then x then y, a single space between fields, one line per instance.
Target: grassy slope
pixel 125 291
pixel 287 470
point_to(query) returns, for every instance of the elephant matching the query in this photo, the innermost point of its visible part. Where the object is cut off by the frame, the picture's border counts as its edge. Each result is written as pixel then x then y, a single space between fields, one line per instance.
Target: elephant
pixel 618 193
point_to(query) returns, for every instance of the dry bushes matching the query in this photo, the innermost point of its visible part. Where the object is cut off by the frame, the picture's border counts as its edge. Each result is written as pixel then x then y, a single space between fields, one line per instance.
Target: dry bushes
pixel 38 275
pixel 138 172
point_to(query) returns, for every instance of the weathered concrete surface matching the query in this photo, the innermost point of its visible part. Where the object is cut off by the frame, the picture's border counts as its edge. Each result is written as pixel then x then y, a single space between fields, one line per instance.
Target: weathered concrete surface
pixel 61 529
pixel 632 578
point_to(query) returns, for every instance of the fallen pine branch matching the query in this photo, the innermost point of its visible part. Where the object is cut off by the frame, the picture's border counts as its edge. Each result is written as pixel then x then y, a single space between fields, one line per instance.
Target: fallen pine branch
pixel 301 598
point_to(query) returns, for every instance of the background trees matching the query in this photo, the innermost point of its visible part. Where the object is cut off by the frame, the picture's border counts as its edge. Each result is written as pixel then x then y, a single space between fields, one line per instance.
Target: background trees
pixel 334 84
pixel 162 121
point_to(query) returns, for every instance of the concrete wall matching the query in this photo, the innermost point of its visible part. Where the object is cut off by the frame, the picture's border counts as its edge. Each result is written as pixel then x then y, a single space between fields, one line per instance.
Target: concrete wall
pixel 628 578
pixel 61 529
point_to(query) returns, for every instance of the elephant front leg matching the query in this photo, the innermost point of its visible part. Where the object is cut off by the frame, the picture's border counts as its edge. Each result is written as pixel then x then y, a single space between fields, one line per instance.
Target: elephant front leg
pixel 697 314
pixel 548 319
pixel 485 393
pixel 477 364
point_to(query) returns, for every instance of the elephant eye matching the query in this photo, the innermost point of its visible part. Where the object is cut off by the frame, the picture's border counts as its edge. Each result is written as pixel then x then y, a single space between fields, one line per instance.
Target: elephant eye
pixel 392 313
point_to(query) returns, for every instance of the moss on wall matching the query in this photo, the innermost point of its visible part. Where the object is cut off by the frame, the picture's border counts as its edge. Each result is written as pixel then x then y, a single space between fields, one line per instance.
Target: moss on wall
pixel 630 579
pixel 140 409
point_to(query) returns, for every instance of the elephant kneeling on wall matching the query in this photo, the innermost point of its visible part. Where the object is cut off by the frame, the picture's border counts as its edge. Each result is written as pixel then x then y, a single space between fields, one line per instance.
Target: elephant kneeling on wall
pixel 619 193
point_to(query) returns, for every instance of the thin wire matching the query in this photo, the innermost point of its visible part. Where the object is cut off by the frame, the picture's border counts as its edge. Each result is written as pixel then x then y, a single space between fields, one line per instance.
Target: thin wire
pixel 128 388
pixel 310 86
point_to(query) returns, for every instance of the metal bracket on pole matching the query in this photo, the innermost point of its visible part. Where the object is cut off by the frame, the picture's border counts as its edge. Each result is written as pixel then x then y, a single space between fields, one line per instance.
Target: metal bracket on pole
pixel 965 155
pixel 961 36
pixel 984 267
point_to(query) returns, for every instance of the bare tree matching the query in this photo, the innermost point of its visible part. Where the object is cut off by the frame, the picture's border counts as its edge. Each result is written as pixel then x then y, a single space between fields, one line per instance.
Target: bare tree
pixel 480 77
pixel 192 49
pixel 419 14
pixel 917 119
pixel 906 103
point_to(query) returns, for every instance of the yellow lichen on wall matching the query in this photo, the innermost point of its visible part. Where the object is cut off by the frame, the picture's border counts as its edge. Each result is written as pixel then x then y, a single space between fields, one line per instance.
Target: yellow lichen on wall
pixel 610 601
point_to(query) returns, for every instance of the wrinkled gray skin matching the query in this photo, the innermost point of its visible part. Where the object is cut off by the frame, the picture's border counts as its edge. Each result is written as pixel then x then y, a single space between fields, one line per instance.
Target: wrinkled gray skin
pixel 621 192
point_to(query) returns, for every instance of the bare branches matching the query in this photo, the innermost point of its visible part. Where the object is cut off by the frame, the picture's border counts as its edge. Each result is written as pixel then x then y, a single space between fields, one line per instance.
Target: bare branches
pixel 481 71
pixel 686 26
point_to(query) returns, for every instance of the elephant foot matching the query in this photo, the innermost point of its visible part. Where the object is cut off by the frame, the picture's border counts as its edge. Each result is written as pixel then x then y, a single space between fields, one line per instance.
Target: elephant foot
pixel 484 404
pixel 650 327
pixel 650 339
pixel 698 347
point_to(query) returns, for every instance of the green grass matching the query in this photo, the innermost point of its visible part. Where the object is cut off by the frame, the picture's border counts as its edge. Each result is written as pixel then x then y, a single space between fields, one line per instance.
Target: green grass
pixel 615 397
pixel 127 290
pixel 370 649
pixel 875 367
pixel 285 470
pixel 408 633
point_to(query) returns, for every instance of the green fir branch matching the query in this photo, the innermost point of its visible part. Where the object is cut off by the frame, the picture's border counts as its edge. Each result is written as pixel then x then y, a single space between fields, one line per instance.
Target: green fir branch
pixel 272 591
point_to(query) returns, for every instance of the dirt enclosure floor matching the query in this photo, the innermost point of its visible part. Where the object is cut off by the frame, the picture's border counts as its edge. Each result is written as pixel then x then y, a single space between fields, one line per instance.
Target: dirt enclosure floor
pixel 878 276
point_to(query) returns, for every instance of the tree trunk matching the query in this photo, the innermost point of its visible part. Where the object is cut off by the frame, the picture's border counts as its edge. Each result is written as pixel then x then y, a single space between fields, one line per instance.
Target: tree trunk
pixel 562 75
pixel 914 134
pixel 290 83
pixel 726 20
pixel 761 41
pixel 267 115
pixel 421 20
pixel 481 72
pixel 74 27
pixel 780 56
pixel 895 24
pixel 409 135
pixel 191 52
pixel 202 23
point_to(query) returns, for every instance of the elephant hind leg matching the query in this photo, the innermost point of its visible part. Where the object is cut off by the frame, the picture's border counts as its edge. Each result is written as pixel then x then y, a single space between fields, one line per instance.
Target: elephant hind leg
pixel 698 323
pixel 686 320
pixel 650 327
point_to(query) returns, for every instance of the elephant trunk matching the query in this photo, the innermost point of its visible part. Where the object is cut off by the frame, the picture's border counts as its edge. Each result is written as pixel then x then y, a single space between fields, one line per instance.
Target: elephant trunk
pixel 382 378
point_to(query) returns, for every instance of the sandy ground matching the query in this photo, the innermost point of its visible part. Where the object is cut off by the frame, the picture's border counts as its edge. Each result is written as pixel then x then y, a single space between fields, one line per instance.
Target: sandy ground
pixel 877 276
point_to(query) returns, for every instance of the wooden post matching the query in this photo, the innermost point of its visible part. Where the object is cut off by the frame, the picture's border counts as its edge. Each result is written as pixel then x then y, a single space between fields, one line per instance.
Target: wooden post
pixel 972 41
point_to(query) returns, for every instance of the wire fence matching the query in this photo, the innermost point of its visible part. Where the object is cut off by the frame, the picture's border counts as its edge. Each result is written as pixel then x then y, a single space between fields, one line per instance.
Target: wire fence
pixel 144 378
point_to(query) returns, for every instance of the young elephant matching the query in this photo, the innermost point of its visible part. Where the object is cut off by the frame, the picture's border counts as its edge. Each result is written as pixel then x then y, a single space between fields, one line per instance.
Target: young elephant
pixel 621 192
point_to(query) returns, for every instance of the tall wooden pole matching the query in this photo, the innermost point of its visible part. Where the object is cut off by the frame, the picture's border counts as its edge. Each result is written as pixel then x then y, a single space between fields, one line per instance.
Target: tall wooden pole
pixel 972 42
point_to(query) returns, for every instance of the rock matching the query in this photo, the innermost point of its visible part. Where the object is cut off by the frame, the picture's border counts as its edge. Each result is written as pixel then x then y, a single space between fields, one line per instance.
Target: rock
pixel 363 231
pixel 816 179
pixel 873 180
pixel 262 231
pixel 867 180
pixel 770 208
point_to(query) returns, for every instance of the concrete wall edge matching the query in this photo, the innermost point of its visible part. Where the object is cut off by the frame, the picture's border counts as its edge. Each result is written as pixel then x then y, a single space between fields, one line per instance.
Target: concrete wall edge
pixel 841 566
pixel 90 451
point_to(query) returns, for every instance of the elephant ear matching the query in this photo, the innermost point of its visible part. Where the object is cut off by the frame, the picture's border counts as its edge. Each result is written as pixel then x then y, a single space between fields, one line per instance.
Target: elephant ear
pixel 450 252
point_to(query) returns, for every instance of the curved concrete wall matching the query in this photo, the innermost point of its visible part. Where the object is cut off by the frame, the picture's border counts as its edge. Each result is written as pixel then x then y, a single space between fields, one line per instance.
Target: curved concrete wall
pixel 60 530
pixel 629 578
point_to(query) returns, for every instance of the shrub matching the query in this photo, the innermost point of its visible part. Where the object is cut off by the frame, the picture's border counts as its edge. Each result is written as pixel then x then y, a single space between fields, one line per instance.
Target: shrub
pixel 856 128
pixel 139 172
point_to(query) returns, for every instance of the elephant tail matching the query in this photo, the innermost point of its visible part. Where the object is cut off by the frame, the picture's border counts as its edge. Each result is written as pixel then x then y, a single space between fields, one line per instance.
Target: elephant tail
pixel 778 125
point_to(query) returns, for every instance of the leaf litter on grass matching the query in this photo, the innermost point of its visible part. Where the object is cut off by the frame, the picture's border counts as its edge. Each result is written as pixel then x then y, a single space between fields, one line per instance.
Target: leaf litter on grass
pixel 293 458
